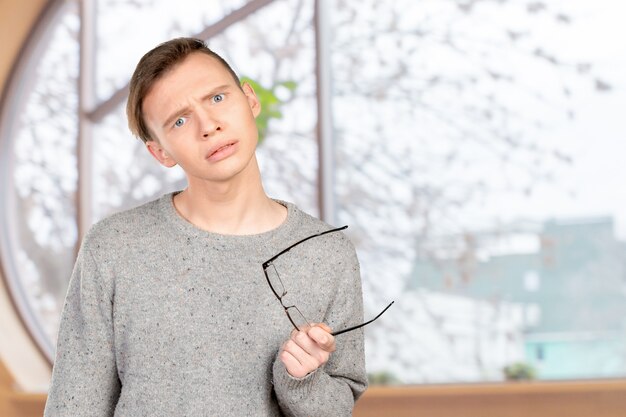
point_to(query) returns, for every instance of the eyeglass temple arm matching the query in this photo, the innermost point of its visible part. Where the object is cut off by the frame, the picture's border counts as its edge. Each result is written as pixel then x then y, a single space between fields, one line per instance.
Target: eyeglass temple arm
pixel 269 261
pixel 363 324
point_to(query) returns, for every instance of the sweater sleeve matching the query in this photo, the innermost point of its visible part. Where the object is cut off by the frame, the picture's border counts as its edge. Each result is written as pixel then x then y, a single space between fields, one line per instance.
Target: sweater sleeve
pixel 332 389
pixel 84 378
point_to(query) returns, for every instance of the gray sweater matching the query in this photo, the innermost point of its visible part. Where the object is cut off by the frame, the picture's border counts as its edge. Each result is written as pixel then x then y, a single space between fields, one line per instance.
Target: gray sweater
pixel 164 319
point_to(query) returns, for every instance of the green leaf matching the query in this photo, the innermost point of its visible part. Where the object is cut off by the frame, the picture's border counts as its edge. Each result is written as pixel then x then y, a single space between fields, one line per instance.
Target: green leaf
pixel 271 105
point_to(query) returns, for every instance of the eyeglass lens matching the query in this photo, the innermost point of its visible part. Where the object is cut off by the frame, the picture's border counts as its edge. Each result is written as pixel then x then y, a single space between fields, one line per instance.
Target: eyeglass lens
pixel 293 313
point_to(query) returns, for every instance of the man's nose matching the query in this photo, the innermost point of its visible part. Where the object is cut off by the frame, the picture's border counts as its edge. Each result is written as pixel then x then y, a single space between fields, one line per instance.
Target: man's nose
pixel 209 123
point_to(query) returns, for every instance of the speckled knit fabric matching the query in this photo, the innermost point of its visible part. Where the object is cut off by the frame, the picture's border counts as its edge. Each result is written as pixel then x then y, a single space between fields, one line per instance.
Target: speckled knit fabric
pixel 164 319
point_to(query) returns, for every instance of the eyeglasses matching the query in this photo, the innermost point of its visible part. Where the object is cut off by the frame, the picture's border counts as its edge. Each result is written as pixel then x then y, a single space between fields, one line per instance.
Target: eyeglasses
pixel 294 315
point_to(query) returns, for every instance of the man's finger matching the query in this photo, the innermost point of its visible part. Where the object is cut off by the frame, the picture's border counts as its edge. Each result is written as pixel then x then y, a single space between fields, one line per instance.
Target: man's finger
pixel 293 366
pixel 325 327
pixel 305 360
pixel 322 337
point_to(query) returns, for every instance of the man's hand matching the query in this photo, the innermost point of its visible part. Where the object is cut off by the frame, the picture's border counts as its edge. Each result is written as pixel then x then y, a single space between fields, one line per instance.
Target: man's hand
pixel 307 349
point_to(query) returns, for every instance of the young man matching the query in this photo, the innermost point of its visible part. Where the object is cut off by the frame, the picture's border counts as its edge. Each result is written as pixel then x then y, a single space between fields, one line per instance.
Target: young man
pixel 177 307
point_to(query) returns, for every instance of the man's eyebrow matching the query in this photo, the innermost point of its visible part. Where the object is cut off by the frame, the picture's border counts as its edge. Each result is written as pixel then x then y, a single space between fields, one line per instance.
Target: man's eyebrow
pixel 185 109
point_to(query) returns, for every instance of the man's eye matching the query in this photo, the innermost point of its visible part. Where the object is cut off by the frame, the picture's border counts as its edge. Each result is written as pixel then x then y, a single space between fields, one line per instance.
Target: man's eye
pixel 218 97
pixel 180 121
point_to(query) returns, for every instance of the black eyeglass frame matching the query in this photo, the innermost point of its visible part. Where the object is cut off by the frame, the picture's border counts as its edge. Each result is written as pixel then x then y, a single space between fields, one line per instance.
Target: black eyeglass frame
pixel 269 263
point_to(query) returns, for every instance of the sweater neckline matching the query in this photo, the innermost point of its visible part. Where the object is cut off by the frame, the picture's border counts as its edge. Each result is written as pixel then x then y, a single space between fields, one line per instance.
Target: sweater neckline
pixel 285 229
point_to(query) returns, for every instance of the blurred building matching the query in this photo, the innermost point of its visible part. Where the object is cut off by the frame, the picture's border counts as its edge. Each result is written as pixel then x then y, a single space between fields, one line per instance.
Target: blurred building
pixel 569 277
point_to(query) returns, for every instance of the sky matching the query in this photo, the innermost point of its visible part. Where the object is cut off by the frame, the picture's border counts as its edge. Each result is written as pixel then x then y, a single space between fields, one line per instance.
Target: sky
pixel 594 185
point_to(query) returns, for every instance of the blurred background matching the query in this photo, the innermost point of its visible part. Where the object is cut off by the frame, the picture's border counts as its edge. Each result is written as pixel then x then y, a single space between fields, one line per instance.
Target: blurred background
pixel 472 146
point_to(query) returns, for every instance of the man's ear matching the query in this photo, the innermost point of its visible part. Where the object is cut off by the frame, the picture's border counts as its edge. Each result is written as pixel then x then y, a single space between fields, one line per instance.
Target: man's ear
pixel 160 154
pixel 253 100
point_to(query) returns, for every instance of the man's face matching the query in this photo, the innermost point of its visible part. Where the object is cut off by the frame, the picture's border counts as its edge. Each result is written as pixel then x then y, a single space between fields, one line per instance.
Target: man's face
pixel 202 120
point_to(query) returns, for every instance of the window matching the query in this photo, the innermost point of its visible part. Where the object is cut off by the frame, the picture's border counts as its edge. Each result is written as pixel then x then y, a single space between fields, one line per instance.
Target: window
pixel 468 144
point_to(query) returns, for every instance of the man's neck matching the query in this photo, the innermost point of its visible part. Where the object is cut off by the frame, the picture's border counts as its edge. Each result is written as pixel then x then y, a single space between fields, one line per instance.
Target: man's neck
pixel 238 207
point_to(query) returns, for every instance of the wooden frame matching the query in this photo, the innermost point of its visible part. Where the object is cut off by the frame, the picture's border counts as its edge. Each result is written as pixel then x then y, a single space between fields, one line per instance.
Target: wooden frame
pixel 606 398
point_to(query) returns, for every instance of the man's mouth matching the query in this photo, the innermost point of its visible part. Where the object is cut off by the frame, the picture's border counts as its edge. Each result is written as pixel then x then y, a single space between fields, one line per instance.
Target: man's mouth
pixel 221 148
pixel 220 151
